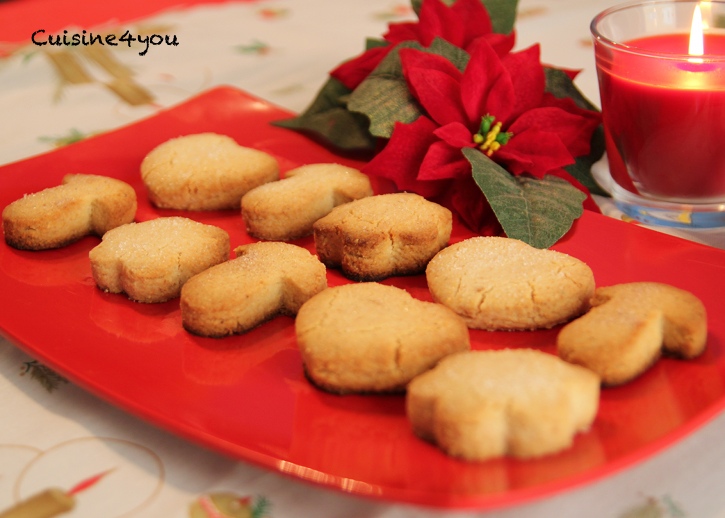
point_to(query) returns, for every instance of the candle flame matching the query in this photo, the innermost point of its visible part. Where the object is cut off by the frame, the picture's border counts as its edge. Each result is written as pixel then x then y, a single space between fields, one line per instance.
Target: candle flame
pixel 697 45
pixel 91 481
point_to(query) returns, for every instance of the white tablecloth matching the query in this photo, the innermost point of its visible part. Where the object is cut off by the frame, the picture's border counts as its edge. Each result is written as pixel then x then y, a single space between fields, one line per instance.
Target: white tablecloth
pixel 281 51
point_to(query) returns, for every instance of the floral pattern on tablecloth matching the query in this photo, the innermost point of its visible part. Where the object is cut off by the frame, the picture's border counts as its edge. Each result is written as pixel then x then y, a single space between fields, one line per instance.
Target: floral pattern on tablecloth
pixel 47 377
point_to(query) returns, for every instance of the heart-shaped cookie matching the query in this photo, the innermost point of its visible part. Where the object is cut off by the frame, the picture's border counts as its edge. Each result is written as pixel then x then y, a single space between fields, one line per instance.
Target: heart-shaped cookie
pixel 151 261
pixel 524 403
pixel 381 236
pixel 371 337
pixel 497 283
pixel 204 171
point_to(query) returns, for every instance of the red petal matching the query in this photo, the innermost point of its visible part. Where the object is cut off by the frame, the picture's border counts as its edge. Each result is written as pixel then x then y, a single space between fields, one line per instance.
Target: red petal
pixel 533 152
pixel 502 43
pixel 455 135
pixel 581 129
pixel 477 21
pixel 351 73
pixel 527 76
pixel 401 158
pixel 460 25
pixel 574 131
pixel 444 162
pixel 471 205
pixel 438 20
pixel 486 87
pixel 434 82
pixel 403 31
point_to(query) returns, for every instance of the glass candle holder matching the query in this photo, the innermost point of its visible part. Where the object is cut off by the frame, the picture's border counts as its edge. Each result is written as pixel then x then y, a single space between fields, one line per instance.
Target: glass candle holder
pixel 661 71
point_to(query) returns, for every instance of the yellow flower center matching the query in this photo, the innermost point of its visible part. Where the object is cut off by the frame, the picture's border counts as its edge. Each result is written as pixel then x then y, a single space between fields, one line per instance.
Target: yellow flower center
pixel 489 138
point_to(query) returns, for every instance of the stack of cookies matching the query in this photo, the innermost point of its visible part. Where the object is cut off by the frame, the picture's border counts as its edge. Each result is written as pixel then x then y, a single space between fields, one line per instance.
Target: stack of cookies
pixel 368 336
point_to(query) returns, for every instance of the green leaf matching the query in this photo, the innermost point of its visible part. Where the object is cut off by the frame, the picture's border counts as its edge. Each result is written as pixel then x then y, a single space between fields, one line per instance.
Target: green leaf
pixel 261 507
pixel 582 169
pixel 538 212
pixel 416 4
pixel 384 96
pixel 328 119
pixel 502 13
pixel 455 55
pixel 560 85
pixel 371 43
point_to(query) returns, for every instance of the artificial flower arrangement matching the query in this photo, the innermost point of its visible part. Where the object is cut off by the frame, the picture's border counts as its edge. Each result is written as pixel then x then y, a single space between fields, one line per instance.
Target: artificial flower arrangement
pixel 446 109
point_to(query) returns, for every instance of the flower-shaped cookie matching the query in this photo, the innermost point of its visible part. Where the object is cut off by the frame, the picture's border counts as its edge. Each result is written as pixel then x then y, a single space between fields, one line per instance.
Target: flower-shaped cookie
pixel 483 404
pixel 381 236
pixel 151 261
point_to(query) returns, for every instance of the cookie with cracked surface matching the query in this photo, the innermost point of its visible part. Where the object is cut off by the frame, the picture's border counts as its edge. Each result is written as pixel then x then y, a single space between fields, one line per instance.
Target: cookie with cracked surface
pixel 523 403
pixel 204 171
pixel 84 204
pixel 151 261
pixel 498 283
pixel 287 209
pixel 265 279
pixel 373 338
pixel 382 236
pixel 630 325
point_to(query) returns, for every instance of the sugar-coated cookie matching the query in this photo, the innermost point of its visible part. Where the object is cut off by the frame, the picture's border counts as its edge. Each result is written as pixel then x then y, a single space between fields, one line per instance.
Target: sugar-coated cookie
pixel 370 337
pixel 630 325
pixel 522 403
pixel 382 236
pixel 204 171
pixel 497 283
pixel 82 205
pixel 266 279
pixel 151 261
pixel 287 209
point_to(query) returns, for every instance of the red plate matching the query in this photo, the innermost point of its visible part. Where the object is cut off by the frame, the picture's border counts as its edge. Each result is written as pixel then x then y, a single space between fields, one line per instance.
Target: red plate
pixel 246 396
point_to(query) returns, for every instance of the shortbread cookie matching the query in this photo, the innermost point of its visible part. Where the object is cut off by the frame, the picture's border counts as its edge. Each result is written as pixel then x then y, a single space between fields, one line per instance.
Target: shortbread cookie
pixel 266 279
pixel 82 205
pixel 204 171
pixel 151 261
pixel 287 209
pixel 370 337
pixel 522 403
pixel 630 325
pixel 381 236
pixel 497 283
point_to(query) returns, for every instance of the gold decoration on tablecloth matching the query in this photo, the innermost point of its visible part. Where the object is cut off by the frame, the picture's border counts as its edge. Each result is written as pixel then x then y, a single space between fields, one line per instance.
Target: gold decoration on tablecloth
pixel 68 67
pixel 84 64
pixel 129 91
pixel 74 66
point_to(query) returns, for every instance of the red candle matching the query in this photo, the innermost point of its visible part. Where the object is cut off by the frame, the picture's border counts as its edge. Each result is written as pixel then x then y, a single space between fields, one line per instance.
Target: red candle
pixel 664 117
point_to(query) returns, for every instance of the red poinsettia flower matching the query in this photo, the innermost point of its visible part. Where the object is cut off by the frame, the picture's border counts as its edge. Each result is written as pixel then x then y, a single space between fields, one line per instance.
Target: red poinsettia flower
pixel 498 105
pixel 461 24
